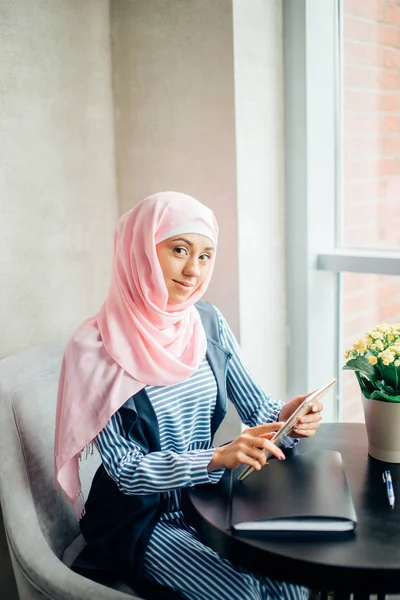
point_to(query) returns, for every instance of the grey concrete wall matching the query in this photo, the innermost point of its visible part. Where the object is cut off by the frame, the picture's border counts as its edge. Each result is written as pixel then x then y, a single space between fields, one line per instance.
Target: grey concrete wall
pixel 174 129
pixel 172 64
pixel 58 203
pixel 106 101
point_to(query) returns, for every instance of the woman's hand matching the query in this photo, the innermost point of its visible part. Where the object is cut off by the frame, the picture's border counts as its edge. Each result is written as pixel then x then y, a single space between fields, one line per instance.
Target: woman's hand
pixel 247 449
pixel 308 424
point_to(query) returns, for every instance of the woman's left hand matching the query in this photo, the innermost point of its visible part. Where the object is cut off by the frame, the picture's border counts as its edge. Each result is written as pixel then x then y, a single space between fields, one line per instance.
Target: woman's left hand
pixel 308 424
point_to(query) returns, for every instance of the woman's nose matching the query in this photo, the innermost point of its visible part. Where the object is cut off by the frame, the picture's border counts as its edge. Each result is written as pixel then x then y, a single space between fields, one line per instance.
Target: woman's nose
pixel 192 268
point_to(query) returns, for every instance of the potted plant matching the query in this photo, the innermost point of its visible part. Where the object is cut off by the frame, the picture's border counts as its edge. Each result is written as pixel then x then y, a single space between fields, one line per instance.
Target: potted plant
pixel 375 359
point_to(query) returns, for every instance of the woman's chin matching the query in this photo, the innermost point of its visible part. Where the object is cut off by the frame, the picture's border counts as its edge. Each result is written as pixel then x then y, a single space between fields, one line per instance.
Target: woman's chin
pixel 180 295
pixel 178 298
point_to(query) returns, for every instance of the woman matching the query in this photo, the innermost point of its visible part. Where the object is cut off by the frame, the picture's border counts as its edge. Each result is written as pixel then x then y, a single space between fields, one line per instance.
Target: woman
pixel 147 380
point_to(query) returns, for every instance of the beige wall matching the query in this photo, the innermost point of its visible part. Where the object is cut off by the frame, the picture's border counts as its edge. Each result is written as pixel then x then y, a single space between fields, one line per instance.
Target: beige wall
pixel 57 188
pixel 260 189
pixel 174 115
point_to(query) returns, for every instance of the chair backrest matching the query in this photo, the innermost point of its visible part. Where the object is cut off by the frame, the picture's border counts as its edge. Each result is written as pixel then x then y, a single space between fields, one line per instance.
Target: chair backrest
pixel 39 523
pixel 28 393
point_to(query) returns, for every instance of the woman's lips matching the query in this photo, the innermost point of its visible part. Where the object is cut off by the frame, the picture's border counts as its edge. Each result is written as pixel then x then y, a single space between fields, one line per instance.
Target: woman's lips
pixel 183 285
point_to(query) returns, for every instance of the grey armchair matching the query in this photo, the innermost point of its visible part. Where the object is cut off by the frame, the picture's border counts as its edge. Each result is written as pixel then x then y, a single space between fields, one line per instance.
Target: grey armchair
pixel 42 531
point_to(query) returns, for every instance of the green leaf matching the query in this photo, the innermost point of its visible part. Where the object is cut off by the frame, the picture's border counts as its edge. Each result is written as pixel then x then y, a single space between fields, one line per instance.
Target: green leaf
pixel 381 395
pixel 367 387
pixel 382 385
pixel 390 376
pixel 361 365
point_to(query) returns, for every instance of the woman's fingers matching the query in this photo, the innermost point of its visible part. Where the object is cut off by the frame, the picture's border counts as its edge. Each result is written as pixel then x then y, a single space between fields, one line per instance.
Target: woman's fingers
pixel 262 443
pixel 312 417
pixel 316 410
pixel 260 430
pixel 248 448
pixel 253 456
pixel 245 459
pixel 256 456
pixel 308 424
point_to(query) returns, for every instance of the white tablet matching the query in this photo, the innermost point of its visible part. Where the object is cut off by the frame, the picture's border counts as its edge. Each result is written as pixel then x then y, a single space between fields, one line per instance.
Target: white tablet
pixel 304 408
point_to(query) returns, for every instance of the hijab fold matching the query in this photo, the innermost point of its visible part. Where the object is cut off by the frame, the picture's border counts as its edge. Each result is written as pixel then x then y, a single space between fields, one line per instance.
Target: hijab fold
pixel 136 339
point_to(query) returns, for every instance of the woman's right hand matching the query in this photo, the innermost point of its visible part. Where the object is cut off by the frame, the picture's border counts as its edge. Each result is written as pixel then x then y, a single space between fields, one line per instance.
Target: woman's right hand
pixel 247 449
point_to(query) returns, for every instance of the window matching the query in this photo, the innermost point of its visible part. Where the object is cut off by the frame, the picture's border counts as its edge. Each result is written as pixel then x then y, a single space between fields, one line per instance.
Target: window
pixel 370 83
pixel 342 118
pixel 370 193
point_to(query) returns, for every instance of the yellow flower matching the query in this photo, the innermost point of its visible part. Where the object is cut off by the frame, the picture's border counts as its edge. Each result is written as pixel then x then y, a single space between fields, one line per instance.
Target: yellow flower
pixel 383 341
pixel 387 358
pixel 397 363
pixel 376 335
pixel 384 328
pixel 373 360
pixel 361 346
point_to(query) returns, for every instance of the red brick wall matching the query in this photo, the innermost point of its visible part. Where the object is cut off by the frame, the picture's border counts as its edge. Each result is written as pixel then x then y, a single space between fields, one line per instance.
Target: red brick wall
pixel 371 168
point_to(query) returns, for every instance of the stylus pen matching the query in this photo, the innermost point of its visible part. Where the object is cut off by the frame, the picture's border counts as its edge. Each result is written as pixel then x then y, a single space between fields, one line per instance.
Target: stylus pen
pixel 245 473
pixel 387 479
pixel 247 470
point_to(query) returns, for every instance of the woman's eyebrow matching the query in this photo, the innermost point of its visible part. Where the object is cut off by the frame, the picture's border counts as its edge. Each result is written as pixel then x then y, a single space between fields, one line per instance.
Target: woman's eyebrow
pixel 182 239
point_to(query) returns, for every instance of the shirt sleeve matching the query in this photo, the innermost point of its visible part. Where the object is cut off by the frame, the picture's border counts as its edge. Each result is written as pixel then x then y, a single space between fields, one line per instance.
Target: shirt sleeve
pixel 255 407
pixel 135 472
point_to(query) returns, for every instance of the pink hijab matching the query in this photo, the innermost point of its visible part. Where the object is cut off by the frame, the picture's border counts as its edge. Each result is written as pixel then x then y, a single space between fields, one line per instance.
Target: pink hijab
pixel 136 339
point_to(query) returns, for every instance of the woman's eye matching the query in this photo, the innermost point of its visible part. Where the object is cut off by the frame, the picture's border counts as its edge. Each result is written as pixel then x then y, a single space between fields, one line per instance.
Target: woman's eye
pixel 205 257
pixel 180 251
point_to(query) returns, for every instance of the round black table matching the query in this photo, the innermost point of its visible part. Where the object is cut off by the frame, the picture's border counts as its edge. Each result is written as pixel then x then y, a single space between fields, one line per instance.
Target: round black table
pixel 363 563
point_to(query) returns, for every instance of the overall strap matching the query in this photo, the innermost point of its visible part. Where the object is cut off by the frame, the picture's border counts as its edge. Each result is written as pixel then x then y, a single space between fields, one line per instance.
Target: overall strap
pixel 218 358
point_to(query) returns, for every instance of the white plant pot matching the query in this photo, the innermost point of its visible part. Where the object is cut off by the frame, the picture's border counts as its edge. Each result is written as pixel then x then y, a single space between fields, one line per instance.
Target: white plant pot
pixel 382 420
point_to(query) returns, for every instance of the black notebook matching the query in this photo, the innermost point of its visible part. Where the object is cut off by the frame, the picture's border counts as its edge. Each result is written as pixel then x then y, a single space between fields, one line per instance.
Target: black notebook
pixel 305 493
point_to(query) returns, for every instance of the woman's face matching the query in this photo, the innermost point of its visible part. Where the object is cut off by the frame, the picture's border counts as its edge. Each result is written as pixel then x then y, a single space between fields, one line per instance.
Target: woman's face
pixel 185 261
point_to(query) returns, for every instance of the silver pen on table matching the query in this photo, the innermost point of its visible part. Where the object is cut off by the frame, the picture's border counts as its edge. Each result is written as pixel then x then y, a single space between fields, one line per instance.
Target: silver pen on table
pixel 387 479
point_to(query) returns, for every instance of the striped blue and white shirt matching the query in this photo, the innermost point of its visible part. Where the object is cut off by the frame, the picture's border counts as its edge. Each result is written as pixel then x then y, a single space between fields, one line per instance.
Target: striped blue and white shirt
pixel 184 412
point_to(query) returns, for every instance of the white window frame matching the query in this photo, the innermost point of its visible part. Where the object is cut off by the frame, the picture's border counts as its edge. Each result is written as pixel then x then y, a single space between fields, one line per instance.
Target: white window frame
pixel 314 258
